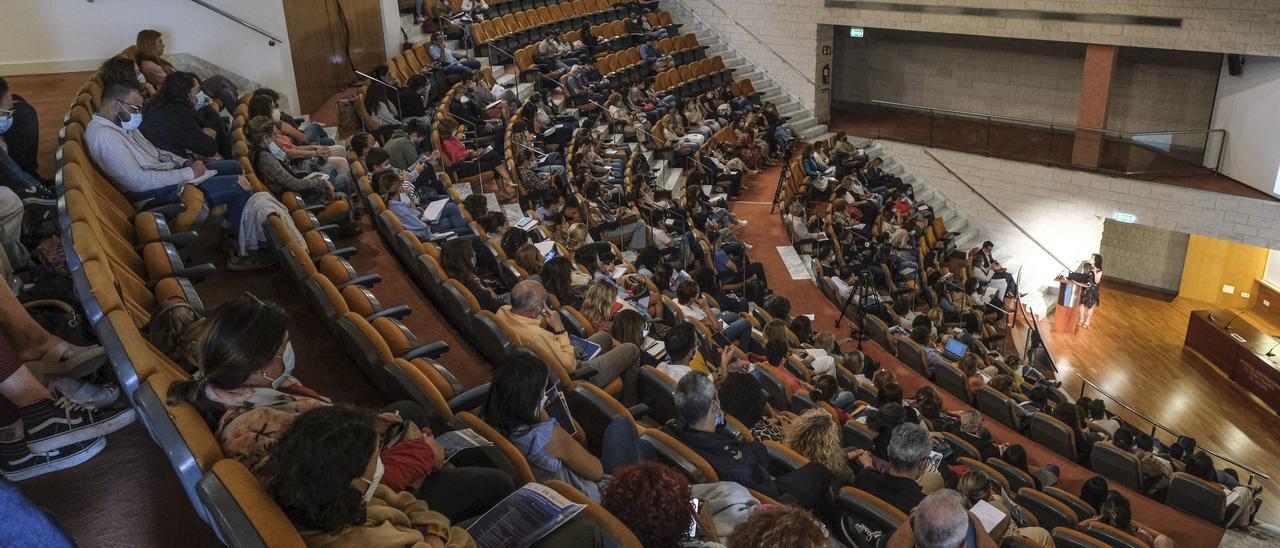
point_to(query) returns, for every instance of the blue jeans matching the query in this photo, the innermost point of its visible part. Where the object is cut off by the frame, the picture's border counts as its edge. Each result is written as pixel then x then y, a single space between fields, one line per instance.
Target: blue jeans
pixel 739 329
pixel 451 220
pixel 316 136
pixel 221 189
pixel 12 176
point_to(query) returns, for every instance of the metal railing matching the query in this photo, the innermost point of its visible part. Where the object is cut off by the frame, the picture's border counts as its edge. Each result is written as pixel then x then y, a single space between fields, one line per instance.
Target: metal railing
pixel 805 75
pixel 1157 427
pixel 271 39
pixel 1143 154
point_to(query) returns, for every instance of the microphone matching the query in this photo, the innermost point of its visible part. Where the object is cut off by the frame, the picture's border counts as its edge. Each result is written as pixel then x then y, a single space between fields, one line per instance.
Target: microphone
pixel 1228 326
pixel 1271 351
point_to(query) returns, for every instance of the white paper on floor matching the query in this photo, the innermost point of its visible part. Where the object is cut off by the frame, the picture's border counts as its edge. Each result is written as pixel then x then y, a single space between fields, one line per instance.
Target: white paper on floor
pixel 513 213
pixel 796 263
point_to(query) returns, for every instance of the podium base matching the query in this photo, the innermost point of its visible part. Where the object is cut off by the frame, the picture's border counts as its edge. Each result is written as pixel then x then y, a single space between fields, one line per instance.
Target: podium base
pixel 1065 318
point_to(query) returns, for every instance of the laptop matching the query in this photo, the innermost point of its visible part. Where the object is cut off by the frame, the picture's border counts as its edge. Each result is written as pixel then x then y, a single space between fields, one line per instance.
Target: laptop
pixel 954 349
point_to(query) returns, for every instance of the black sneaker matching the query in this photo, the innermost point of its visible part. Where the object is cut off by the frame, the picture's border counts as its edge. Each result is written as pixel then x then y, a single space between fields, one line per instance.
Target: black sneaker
pixel 256 260
pixel 38 195
pixel 18 463
pixel 54 424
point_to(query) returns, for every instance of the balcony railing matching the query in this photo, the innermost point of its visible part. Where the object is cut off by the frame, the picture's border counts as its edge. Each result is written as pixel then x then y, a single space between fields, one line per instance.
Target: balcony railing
pixel 1137 155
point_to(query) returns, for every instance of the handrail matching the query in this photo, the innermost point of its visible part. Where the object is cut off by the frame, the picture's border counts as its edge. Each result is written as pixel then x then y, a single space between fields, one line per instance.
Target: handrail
pixel 997 208
pixel 1155 425
pixel 1043 122
pixel 271 39
pixel 775 53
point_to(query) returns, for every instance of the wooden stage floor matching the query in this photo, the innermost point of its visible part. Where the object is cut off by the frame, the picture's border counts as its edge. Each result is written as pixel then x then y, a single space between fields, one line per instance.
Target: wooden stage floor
pixel 1134 351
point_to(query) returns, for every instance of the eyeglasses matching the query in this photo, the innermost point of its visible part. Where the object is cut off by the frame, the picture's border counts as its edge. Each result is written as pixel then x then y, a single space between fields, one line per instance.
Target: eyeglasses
pixel 133 109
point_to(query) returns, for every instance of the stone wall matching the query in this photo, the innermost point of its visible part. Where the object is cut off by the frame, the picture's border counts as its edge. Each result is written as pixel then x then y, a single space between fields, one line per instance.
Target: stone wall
pixel 1142 255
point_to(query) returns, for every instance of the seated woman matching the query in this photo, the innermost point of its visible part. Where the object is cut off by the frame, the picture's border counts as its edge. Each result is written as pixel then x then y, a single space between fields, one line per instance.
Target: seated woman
pixel 467 162
pixel 148 52
pixel 733 327
pixel 977 486
pixel 249 397
pixel 563 281
pixel 515 408
pixel 327 475
pixel 530 260
pixel 622 225
pixel 653 501
pixel 391 190
pixel 816 435
pixel 302 153
pixel 1115 511
pixel 599 305
pixel 929 404
pixel 630 326
pixel 269 164
pixel 176 120
pixel 743 398
pixel 1242 500
pixel 458 257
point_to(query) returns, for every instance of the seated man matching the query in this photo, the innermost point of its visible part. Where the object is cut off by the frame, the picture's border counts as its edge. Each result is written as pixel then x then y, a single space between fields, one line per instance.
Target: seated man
pixel 151 177
pixel 908 454
pixel 942 520
pixel 1098 419
pixel 923 336
pixel 18 143
pixel 700 425
pixel 533 325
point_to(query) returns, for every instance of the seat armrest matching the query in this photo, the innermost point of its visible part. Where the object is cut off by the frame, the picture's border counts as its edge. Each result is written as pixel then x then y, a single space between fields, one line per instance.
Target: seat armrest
pixel 431 350
pixel 169 210
pixel 179 240
pixel 327 228
pixel 396 312
pixel 366 281
pixel 469 399
pixel 195 273
pixel 638 411
pixel 344 252
pixel 314 208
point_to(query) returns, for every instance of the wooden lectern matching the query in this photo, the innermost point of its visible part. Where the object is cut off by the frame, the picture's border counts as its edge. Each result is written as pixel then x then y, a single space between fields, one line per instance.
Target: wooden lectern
pixel 1068 310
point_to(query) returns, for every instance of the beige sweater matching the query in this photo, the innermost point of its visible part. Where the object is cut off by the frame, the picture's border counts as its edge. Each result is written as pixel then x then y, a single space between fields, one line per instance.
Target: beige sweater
pixel 393 519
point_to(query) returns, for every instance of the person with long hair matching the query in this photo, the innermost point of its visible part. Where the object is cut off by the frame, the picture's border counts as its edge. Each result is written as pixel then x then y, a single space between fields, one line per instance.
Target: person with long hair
pixel 629 326
pixel 743 398
pixel 395 196
pixel 1069 415
pixel 978 486
pixel 599 305
pixel 1046 475
pixel 465 162
pixel 516 408
pixel 1094 492
pixel 693 305
pixel 1242 500
pixel 458 259
pixel 929 404
pixel 327 474
pixel 780 525
pixel 1093 290
pixel 304 148
pixel 247 394
pixel 148 52
pixel 172 120
pixel 557 278
pixel 270 164
pixel 816 435
pixel 653 501
pixel 1116 512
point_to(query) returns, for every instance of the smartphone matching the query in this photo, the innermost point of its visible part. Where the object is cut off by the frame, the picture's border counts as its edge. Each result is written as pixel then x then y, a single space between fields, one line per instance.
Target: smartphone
pixel 693 523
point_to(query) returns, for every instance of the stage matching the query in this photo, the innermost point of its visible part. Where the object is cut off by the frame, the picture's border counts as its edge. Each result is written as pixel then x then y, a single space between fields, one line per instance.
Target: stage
pixel 1134 351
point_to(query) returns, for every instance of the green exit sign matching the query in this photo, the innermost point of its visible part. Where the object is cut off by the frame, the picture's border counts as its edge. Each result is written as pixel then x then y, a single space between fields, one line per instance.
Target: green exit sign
pixel 856 33
pixel 1124 217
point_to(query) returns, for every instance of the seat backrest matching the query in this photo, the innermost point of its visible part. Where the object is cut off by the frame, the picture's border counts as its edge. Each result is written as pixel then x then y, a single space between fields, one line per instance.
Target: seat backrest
pixel 593 409
pixel 997 406
pixel 514 462
pixel 496 347
pixel 1016 479
pixel 671 452
pixel 1048 511
pixel 656 391
pixel 1066 537
pixel 608 524
pixel 1076 504
pixel 1115 464
pixel 951 379
pixel 867 513
pixel 1054 435
pixel 857 435
pixel 241 511
pixel 1197 497
pixel 1113 536
pixel 913 355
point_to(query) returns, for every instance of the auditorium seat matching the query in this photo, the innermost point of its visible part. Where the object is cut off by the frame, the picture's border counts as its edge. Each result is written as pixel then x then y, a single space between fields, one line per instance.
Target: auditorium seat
pixel 242 512
pixel 860 511
pixel 913 355
pixel 656 391
pixel 1048 511
pixel 188 444
pixel 1113 537
pixel 857 435
pixel 1014 478
pixel 951 379
pixel 1197 497
pixel 1080 507
pixel 783 459
pixel 593 409
pixel 1116 465
pixel 510 459
pixel 1067 537
pixel 999 407
pixel 991 472
pixel 616 533
pixel 495 346
pixel 1054 435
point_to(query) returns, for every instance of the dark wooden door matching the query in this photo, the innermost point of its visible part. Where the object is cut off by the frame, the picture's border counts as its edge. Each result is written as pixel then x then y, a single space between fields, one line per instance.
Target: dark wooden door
pixel 329 40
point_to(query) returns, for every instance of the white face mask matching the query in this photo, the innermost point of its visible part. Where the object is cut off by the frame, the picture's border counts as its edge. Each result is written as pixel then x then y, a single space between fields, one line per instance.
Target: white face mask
pixel 275 114
pixel 288 359
pixel 133 122
pixel 373 483
pixel 142 78
pixel 202 100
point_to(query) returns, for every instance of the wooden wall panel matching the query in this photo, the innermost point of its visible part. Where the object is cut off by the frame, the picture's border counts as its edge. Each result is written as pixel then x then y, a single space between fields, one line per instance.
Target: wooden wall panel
pixel 318 44
pixel 1266 301
pixel 1211 263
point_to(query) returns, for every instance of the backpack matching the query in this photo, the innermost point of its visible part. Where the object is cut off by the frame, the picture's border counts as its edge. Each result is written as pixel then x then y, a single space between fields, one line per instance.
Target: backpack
pixel 174 330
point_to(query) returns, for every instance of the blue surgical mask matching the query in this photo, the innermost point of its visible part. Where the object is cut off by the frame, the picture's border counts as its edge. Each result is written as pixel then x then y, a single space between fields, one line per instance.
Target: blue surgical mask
pixel 277 151
pixel 133 122
pixel 6 123
pixel 142 78
pixel 202 100
pixel 287 358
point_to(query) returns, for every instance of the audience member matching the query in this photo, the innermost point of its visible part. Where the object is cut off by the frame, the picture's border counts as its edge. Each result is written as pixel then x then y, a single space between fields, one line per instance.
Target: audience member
pixel 978 486
pixel 1115 512
pixel 941 521
pixel 653 501
pixel 816 436
pixel 742 398
pixel 780 526
pixel 908 453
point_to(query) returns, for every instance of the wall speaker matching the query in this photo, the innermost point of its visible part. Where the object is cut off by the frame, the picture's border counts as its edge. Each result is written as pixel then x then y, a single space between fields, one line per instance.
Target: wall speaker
pixel 1235 64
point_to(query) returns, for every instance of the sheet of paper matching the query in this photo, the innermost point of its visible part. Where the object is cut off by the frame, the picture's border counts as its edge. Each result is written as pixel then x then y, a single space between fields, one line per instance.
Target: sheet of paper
pixel 989 515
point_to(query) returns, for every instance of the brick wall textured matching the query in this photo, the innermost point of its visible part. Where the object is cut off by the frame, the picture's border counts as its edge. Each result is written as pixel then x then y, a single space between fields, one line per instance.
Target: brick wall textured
pixel 1143 255
pixel 1064 210
pixel 1161 90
